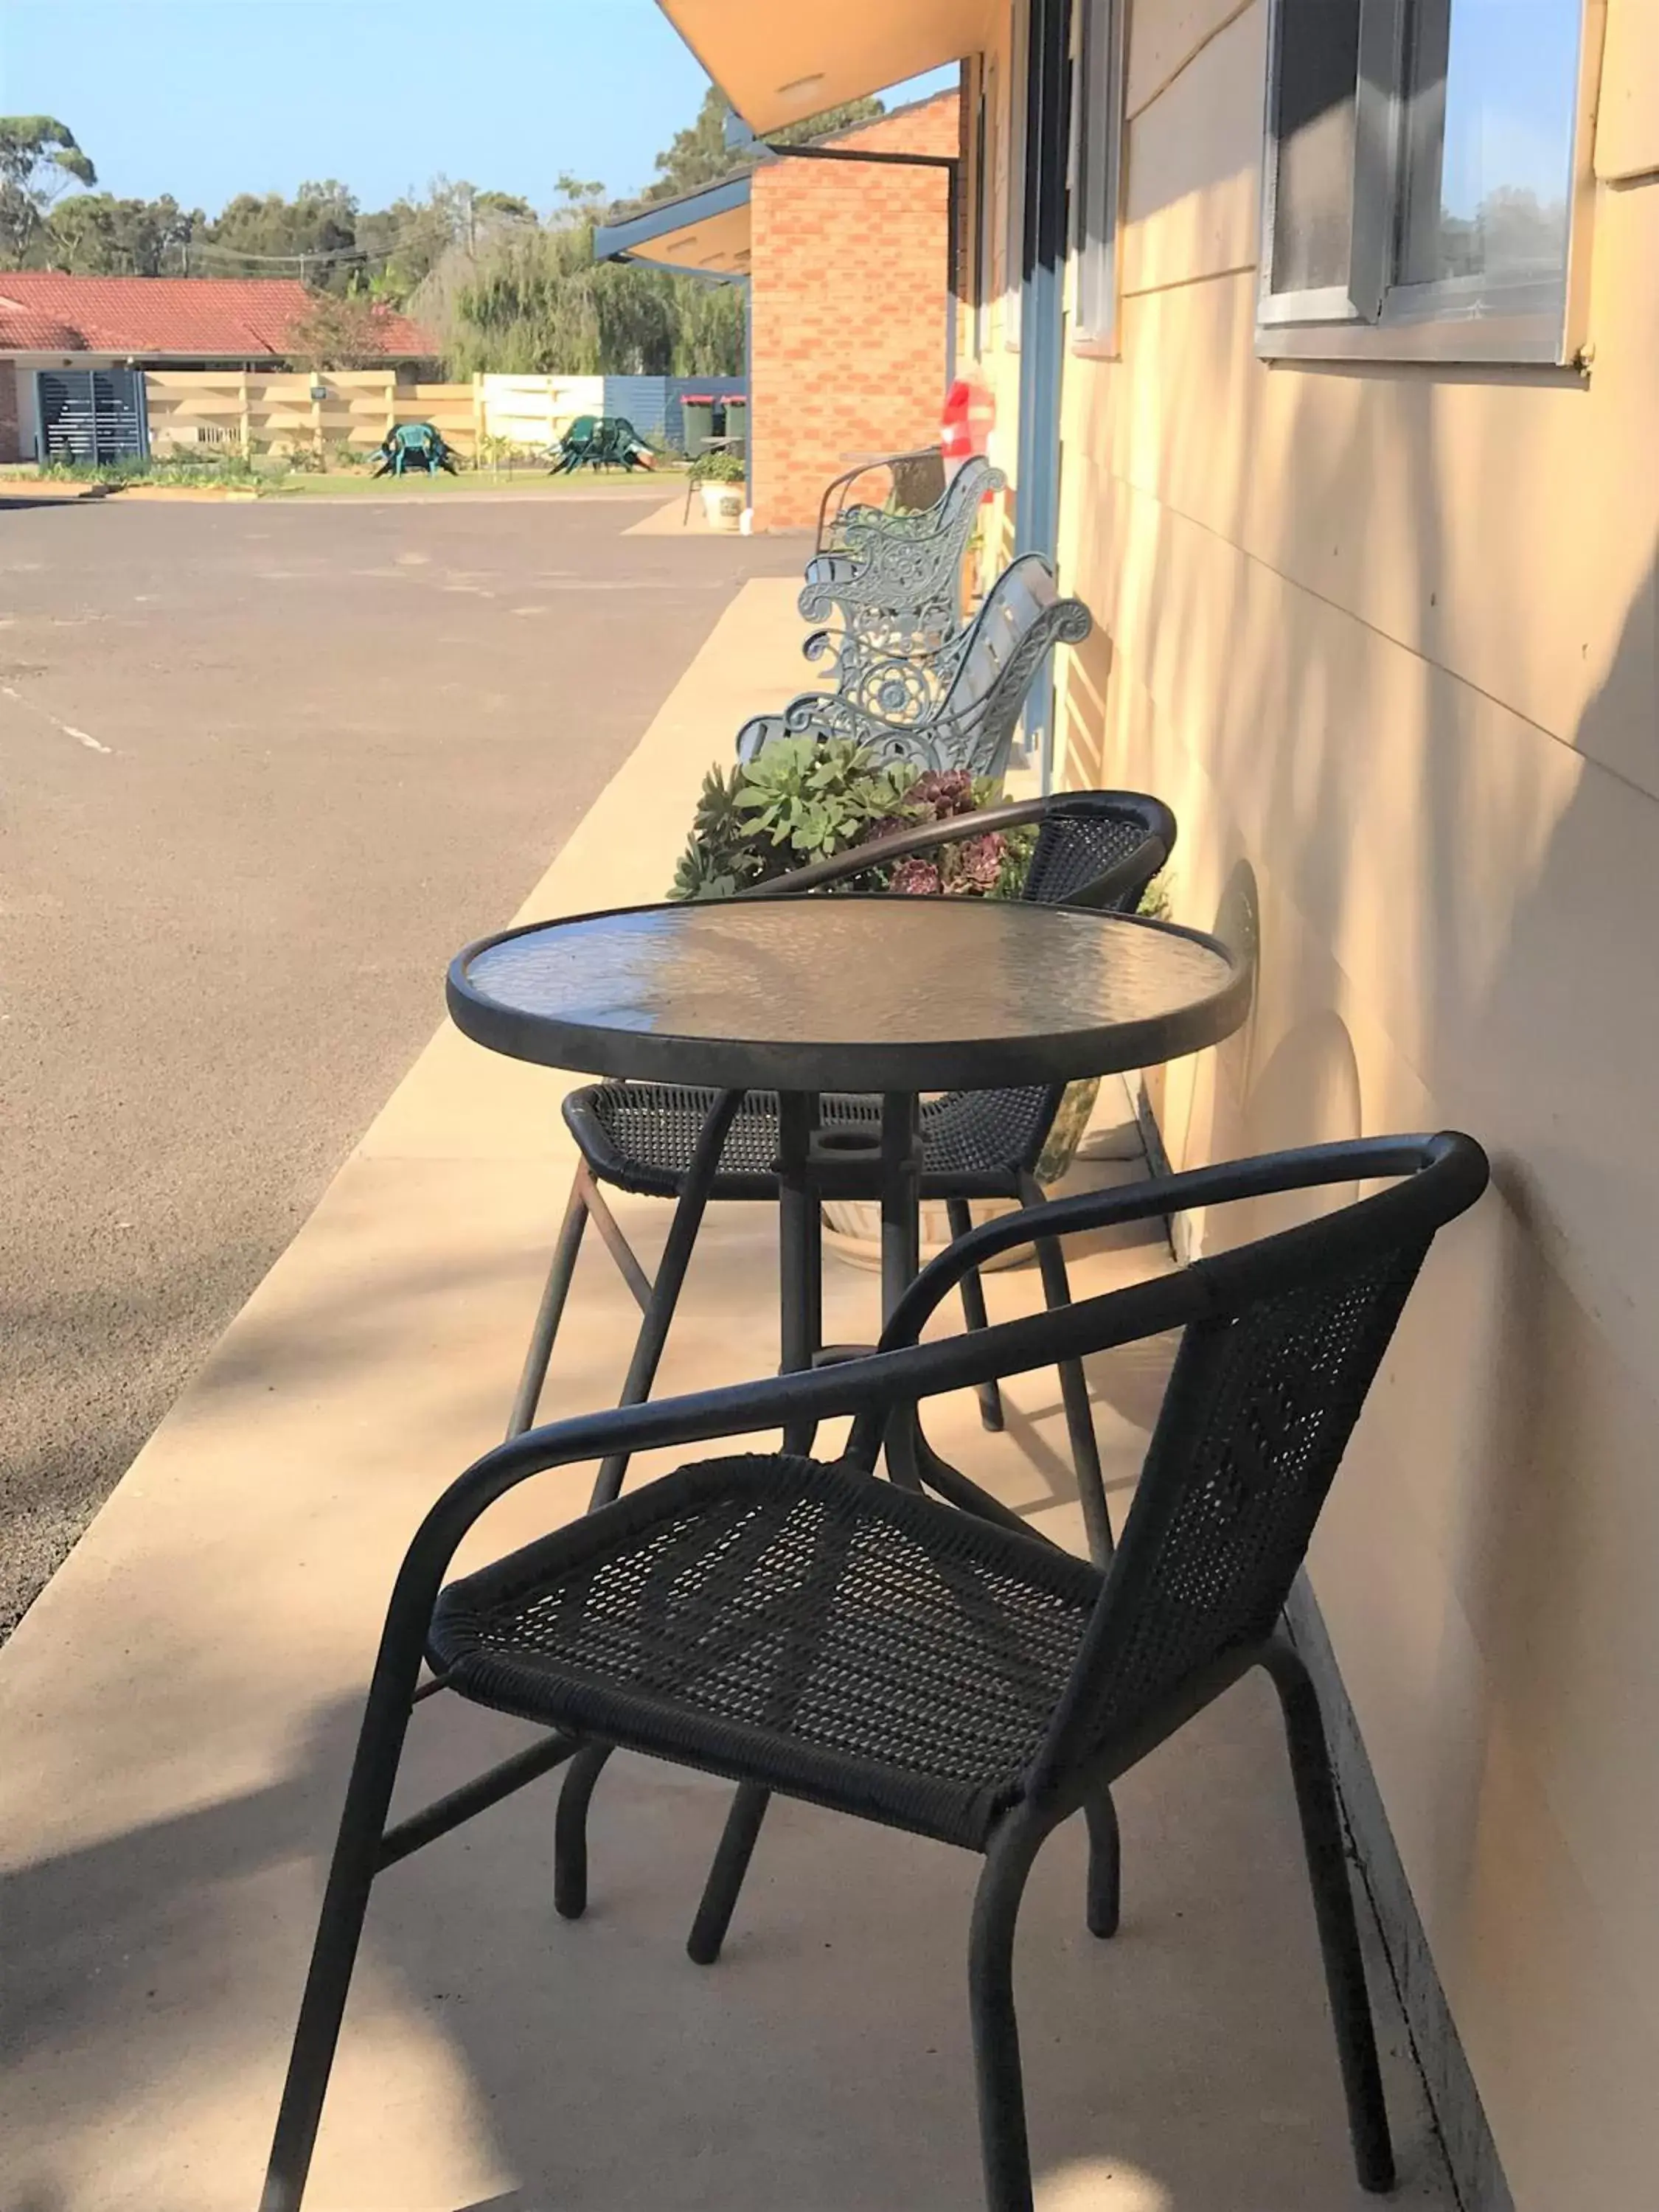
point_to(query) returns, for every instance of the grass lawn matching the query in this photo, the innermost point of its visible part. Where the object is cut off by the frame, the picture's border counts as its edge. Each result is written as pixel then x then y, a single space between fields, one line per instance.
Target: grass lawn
pixel 300 486
pixel 340 484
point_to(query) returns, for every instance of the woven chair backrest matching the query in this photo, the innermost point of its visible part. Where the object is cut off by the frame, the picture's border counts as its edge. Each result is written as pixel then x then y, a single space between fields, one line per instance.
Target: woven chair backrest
pixel 1075 844
pixel 1259 1409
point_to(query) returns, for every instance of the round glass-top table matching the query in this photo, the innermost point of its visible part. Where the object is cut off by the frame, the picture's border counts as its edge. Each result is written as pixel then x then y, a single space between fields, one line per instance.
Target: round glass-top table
pixel 889 995
pixel 878 994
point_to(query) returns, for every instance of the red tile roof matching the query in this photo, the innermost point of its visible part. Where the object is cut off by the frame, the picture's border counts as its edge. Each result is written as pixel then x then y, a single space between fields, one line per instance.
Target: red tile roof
pixel 209 318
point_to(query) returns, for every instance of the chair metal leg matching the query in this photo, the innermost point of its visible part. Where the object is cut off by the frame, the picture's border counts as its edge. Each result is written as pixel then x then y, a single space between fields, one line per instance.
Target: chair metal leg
pixel 615 1242
pixel 960 1215
pixel 1074 1395
pixel 570 1831
pixel 548 1314
pixel 720 1894
pixel 901 1195
pixel 670 1275
pixel 339 1928
pixel 1339 1928
pixel 1003 2142
pixel 801 1251
pixel 1105 1861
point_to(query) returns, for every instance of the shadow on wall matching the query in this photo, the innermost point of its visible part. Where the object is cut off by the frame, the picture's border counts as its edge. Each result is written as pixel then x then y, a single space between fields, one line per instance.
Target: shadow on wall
pixel 1481 900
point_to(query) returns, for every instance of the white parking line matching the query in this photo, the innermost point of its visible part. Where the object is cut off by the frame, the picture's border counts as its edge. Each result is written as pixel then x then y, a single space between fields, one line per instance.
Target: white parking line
pixel 67 729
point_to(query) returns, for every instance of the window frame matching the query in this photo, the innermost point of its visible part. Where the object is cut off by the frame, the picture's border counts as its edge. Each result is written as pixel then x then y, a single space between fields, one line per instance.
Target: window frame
pixel 1097 170
pixel 1375 317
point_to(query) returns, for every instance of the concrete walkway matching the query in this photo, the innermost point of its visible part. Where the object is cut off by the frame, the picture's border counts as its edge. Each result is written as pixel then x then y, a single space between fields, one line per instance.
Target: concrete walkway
pixel 178 1710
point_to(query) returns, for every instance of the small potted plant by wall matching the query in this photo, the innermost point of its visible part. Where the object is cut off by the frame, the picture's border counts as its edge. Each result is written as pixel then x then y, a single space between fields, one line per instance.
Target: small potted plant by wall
pixel 721 478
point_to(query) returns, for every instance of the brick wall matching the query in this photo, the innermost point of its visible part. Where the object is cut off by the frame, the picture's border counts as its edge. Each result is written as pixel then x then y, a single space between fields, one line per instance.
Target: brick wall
pixel 847 307
pixel 9 446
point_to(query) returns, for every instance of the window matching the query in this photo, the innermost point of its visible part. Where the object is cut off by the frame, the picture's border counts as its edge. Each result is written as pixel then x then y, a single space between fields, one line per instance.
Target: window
pixel 1014 139
pixel 1096 114
pixel 1421 163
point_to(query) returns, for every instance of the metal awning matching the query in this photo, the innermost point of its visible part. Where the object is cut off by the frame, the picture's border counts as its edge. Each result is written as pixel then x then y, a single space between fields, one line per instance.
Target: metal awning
pixel 776 64
pixel 702 230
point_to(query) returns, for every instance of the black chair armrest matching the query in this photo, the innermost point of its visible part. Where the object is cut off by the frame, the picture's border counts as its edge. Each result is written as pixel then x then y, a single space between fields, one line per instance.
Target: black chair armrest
pixel 921 837
pixel 1133 869
pixel 867 1389
pixel 901 1372
pixel 1309 1167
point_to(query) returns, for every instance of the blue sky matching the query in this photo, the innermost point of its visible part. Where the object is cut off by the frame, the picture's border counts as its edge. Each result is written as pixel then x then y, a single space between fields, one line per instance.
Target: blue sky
pixel 207 98
pixel 1509 98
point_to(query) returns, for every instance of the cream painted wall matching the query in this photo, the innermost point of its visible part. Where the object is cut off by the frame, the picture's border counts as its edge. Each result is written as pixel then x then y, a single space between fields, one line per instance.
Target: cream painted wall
pixel 1387 639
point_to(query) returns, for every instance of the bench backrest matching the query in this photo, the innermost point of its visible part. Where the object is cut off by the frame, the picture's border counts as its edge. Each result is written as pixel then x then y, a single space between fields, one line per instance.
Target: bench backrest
pixel 957 709
pixel 864 528
pixel 1015 604
pixel 899 576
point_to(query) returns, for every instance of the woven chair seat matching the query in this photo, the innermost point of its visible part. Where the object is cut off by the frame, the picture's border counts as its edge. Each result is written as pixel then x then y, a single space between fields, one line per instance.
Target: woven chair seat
pixel 771 1619
pixel 640 1136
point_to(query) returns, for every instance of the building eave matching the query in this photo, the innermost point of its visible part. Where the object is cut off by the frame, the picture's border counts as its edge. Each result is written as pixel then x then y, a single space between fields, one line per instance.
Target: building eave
pixel 706 231
pixel 776 64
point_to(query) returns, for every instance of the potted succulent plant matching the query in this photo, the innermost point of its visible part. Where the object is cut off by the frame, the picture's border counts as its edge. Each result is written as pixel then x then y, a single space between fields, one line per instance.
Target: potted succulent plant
pixel 801 801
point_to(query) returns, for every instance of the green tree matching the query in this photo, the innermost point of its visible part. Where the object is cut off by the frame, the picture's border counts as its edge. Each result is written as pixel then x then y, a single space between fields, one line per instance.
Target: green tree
pixel 96 235
pixel 528 299
pixel 709 341
pixel 340 329
pixel 700 155
pixel 506 207
pixel 403 243
pixel 534 302
pixel 38 161
pixel 313 236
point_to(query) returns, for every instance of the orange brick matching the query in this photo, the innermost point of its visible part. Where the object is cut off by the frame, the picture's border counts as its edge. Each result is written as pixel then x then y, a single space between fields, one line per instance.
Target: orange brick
pixel 849 306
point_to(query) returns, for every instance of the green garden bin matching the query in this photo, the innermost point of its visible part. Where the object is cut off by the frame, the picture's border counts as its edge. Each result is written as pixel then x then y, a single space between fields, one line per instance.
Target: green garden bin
pixel 696 425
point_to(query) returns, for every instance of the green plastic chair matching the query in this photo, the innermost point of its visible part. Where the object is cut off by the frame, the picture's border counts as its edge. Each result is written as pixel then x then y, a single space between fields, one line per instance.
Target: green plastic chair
pixel 603 441
pixel 623 448
pixel 415 445
pixel 576 447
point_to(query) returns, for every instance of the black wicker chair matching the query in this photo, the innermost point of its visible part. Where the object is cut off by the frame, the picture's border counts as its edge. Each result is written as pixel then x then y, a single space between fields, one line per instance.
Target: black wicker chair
pixel 801 1627
pixel 1094 848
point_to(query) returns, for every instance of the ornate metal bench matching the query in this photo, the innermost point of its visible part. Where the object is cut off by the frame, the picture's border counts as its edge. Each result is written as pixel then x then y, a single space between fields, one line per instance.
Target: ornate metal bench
pixel 915 485
pixel 956 708
pixel 895 581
